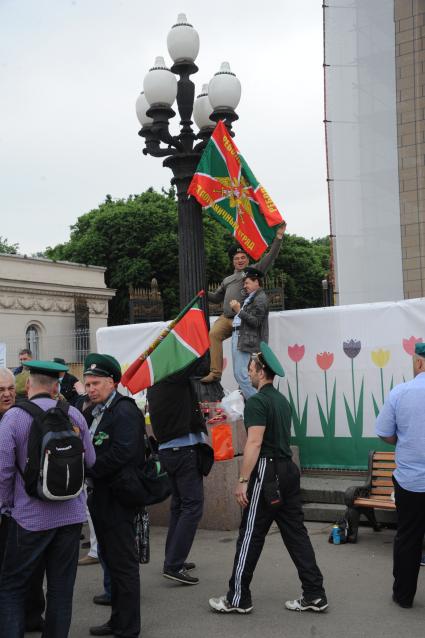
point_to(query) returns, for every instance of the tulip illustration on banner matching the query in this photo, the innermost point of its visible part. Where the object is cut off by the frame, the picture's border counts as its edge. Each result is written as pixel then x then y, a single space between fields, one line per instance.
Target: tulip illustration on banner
pixel 355 417
pixel 381 358
pixel 296 353
pixel 324 361
pixel 409 345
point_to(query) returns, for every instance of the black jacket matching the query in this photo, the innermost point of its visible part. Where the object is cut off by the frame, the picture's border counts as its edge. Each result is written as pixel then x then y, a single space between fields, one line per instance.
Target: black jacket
pixel 67 388
pixel 123 424
pixel 173 407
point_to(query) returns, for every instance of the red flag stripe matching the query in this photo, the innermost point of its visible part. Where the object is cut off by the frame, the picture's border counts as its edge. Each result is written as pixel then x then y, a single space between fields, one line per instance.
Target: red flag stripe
pixel 192 332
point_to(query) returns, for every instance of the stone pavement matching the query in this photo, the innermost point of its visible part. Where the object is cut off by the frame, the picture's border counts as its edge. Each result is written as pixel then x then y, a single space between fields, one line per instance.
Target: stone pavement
pixel 358 581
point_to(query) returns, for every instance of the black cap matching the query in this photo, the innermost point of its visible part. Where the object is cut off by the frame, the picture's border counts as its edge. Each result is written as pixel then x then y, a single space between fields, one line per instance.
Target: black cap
pixel 59 360
pixel 252 273
pixel 102 365
pixel 233 250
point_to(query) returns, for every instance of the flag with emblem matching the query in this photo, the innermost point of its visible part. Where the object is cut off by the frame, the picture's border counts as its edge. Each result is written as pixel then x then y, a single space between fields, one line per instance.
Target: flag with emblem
pixel 181 342
pixel 228 190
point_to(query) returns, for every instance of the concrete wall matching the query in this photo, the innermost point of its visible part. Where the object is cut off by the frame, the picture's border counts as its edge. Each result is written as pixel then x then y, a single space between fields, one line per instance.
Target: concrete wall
pixel 410 81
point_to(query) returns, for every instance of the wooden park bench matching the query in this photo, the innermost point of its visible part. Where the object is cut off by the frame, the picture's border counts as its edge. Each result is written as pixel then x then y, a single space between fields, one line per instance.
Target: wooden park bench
pixel 376 493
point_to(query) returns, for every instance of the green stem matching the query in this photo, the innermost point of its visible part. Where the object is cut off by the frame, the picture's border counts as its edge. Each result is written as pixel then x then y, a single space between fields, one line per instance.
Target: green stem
pixel 354 388
pixel 298 396
pixel 382 386
pixel 326 393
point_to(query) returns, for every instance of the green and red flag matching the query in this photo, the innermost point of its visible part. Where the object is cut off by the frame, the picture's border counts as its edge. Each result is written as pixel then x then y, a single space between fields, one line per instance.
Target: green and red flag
pixel 181 342
pixel 227 190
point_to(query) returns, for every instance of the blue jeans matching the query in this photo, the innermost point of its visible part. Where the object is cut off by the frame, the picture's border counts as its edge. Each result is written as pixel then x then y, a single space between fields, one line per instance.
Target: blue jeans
pixel 59 547
pixel 187 503
pixel 240 367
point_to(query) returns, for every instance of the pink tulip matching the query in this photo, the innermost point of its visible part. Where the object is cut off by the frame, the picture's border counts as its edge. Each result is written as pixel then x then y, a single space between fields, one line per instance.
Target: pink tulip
pixel 296 352
pixel 409 344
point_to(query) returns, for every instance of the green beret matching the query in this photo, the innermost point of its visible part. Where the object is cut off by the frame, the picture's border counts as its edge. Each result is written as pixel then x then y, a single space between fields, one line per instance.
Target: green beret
pixel 271 360
pixel 420 349
pixel 48 368
pixel 102 365
pixel 253 273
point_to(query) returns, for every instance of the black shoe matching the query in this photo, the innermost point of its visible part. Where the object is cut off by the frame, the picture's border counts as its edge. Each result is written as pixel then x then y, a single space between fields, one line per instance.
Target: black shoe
pixel 36 626
pixel 181 576
pixel 188 566
pixel 102 599
pixel 85 545
pixel 301 604
pixel 101 630
pixel 403 605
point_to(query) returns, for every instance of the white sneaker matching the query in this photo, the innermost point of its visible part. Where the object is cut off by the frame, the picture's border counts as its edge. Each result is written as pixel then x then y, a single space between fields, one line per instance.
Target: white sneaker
pixel 318 604
pixel 223 605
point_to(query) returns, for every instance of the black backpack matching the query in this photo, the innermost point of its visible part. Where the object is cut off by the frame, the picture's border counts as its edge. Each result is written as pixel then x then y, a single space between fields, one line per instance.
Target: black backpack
pixel 54 468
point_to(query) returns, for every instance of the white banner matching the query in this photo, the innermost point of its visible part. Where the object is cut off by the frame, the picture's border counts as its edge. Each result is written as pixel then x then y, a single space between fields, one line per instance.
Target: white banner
pixel 2 355
pixel 340 364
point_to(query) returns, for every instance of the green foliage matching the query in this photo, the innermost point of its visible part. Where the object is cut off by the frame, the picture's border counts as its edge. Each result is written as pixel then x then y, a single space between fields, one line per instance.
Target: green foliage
pixel 6 248
pixel 137 239
pixel 305 263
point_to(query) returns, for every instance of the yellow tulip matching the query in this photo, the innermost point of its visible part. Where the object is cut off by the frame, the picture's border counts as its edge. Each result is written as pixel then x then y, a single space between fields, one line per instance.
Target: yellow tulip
pixel 380 357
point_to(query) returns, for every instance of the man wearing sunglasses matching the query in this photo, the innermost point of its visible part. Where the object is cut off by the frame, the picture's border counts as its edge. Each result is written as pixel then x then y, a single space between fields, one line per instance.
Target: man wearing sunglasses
pixel 269 490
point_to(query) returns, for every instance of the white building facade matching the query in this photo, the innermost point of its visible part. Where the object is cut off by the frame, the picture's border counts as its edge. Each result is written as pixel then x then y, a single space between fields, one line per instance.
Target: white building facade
pixel 54 308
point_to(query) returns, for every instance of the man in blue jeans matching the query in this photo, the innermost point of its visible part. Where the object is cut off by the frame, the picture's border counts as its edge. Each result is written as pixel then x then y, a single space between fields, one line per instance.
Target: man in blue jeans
pixel 38 528
pixel 178 426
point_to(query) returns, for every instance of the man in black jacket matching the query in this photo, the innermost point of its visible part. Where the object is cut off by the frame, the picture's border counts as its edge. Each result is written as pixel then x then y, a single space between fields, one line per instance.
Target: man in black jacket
pixel 178 426
pixel 117 428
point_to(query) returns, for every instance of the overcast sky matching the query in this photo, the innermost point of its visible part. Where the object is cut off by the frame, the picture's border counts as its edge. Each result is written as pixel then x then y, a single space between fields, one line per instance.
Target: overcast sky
pixel 71 70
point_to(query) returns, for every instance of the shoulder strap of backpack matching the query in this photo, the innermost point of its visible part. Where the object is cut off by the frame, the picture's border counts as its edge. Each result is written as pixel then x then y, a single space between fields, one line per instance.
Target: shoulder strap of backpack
pixel 63 405
pixel 33 410
pixel 29 406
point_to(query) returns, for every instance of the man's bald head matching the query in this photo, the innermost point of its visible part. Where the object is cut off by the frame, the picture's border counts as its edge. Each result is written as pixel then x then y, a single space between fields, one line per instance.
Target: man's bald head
pixel 7 390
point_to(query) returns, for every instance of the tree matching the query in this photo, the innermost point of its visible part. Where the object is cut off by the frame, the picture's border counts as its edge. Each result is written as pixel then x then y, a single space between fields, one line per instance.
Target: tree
pixel 137 239
pixel 6 248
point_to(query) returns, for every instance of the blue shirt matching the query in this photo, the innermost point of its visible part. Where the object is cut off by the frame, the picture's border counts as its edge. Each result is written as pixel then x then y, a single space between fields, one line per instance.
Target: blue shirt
pixel 403 414
pixel 237 320
pixel 183 441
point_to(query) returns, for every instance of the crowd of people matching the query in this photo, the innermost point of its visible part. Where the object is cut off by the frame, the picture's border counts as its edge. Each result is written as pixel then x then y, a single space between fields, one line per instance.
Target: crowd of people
pixel 66 447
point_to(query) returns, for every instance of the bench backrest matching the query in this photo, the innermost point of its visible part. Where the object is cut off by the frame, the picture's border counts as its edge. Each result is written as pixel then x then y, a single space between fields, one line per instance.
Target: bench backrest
pixel 381 467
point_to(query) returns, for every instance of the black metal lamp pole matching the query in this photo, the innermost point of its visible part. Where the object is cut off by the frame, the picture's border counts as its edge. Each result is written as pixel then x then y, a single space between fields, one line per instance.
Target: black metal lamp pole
pixel 182 154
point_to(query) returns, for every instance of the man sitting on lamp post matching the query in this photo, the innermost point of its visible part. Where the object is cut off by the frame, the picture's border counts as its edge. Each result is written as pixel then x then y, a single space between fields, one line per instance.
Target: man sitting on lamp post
pixel 231 288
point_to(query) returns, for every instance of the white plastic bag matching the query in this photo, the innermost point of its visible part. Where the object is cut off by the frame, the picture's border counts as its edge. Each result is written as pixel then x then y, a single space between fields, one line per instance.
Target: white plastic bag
pixel 233 405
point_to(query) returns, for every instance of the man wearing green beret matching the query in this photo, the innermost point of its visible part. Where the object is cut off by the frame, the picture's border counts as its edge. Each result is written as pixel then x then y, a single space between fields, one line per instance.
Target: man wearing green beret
pixel 39 530
pixel 401 422
pixel 269 491
pixel 117 428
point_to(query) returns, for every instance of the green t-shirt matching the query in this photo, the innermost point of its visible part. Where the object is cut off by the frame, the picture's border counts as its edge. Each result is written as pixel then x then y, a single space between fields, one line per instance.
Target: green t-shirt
pixel 271 409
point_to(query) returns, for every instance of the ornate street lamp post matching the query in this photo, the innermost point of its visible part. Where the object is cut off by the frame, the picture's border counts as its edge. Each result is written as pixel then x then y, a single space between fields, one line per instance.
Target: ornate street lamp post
pixel 182 152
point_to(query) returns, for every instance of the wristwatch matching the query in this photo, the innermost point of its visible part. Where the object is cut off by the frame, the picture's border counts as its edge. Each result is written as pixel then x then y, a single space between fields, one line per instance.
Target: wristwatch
pixel 243 480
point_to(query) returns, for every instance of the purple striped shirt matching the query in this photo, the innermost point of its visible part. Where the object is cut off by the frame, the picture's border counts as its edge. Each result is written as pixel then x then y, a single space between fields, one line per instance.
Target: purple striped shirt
pixel 31 513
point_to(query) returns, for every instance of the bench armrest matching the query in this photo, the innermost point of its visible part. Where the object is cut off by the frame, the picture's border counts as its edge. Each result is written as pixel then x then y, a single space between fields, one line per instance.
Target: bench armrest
pixel 351 493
